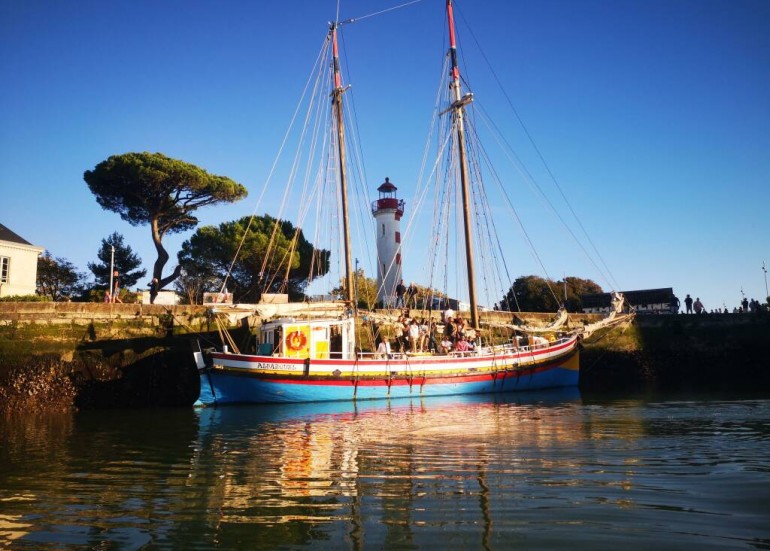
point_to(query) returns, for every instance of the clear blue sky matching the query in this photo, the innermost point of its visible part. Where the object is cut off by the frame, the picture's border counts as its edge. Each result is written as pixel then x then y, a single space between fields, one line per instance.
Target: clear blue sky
pixel 654 115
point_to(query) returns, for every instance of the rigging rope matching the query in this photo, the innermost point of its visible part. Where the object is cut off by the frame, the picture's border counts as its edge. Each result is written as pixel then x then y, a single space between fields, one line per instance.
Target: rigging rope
pixel 609 278
pixel 356 19
pixel 266 185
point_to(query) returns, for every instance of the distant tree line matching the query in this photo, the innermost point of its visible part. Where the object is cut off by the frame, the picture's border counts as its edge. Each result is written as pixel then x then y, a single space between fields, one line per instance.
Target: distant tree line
pixel 536 294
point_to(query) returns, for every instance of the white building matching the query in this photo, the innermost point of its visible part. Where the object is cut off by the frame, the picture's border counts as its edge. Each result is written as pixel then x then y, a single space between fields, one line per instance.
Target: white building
pixel 18 264
pixel 167 298
pixel 387 212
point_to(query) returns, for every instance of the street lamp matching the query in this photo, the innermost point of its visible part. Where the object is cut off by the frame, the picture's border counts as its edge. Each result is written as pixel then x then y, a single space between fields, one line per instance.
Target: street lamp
pixel 112 268
pixel 355 283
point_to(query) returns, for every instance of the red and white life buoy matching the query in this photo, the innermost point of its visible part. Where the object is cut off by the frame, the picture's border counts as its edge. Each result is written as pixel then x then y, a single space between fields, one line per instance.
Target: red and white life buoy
pixel 296 340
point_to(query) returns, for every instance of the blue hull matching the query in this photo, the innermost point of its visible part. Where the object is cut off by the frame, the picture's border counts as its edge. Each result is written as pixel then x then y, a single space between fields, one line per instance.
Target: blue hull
pixel 222 387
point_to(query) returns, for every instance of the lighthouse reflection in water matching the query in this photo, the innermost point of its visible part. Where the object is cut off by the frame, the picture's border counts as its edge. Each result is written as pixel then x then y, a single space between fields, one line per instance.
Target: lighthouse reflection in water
pixel 382 469
pixel 536 469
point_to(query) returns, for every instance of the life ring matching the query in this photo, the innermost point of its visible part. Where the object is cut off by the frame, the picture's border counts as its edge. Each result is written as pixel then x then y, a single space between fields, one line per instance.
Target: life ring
pixel 296 340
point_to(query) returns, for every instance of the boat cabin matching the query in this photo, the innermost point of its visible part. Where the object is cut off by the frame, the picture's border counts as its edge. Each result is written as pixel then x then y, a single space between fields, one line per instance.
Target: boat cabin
pixel 314 339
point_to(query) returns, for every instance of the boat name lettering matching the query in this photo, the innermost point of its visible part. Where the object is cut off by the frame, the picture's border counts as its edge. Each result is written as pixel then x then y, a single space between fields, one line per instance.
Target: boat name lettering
pixel 278 367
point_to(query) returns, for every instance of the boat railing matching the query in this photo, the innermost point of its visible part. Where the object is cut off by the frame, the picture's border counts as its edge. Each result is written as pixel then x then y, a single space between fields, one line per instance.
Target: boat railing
pixel 510 347
pixel 479 350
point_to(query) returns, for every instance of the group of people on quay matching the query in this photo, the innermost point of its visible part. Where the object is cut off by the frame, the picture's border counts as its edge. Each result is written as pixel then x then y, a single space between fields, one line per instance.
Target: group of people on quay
pixel 697 307
pixel 419 335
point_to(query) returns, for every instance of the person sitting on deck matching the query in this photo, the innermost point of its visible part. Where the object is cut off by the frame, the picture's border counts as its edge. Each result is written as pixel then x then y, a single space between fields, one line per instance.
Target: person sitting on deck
pixel 462 345
pixel 445 345
pixel 383 349
pixel 538 342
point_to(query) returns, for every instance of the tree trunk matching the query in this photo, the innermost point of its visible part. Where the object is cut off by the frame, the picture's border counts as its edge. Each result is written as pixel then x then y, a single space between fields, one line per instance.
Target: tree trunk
pixel 157 270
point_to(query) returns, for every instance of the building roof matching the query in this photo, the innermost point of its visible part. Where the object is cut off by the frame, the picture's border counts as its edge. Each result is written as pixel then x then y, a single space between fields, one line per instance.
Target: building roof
pixel 8 235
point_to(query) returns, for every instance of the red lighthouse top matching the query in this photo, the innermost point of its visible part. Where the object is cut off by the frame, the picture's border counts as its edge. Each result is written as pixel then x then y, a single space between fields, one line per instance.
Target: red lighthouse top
pixel 388 199
pixel 387 187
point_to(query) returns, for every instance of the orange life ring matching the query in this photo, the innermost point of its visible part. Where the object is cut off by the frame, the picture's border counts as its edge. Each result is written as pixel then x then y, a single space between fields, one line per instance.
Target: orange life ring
pixel 296 340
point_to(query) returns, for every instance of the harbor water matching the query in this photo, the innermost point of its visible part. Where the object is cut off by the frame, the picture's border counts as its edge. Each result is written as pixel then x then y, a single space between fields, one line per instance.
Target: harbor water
pixel 524 471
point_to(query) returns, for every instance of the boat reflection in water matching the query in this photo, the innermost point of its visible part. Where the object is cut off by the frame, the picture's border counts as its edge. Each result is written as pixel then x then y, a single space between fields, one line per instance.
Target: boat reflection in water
pixel 524 470
pixel 388 465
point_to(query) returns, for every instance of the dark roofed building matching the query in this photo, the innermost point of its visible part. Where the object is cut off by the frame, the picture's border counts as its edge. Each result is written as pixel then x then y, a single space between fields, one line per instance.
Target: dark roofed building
pixel 11 237
pixel 18 264
pixel 647 301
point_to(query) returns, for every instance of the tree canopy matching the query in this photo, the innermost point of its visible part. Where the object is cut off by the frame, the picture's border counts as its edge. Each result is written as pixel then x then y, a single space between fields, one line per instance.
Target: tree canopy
pixel 274 257
pixel 365 289
pixel 58 278
pixel 125 262
pixel 536 294
pixel 151 188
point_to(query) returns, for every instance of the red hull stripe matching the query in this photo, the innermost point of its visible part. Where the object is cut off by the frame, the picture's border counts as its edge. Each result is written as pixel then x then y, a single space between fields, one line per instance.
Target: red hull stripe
pixel 419 380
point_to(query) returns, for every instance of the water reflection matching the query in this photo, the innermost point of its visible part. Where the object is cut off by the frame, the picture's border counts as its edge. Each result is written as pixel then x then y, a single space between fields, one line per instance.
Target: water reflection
pixel 315 463
pixel 529 470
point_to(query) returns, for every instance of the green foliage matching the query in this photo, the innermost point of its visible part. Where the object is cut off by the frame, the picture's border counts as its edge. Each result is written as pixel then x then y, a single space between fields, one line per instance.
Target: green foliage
pixel 25 298
pixel 365 290
pixel 194 280
pixel 151 188
pixel 273 257
pixel 97 295
pixel 536 294
pixel 576 288
pixel 125 262
pixel 57 278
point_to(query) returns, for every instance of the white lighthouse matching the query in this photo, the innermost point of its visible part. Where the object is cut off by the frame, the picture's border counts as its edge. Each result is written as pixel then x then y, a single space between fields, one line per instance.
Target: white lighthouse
pixel 387 211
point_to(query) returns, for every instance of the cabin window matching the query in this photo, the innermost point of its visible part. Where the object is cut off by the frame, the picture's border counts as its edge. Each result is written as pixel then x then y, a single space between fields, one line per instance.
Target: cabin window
pixel 5 263
pixel 267 346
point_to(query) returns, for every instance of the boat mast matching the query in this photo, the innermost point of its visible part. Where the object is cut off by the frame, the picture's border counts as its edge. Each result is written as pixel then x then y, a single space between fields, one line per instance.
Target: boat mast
pixel 337 103
pixel 458 110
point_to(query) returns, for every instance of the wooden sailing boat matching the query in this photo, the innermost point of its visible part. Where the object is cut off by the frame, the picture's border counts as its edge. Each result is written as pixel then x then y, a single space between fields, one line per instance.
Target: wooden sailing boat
pixel 318 359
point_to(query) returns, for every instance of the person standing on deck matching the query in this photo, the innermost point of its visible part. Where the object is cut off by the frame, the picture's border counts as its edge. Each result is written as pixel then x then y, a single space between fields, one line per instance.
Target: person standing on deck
pixel 414 335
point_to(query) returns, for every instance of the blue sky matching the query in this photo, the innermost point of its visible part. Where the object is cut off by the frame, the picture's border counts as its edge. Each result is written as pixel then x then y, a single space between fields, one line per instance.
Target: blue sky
pixel 654 115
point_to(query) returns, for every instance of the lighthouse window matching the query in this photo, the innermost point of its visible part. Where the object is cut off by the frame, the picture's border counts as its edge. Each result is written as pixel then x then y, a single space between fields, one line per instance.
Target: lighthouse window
pixel 398 237
pixel 383 229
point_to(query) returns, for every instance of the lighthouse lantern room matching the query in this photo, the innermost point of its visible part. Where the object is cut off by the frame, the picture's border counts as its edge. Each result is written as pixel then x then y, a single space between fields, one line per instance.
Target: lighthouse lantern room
pixel 387 212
